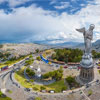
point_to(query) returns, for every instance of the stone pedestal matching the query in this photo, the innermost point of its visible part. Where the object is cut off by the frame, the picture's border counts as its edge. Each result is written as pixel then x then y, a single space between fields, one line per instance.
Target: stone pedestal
pixel 87 68
pixel 87 75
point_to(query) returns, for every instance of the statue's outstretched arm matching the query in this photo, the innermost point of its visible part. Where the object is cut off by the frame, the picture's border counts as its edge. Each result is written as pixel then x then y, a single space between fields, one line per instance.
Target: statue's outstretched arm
pixel 82 30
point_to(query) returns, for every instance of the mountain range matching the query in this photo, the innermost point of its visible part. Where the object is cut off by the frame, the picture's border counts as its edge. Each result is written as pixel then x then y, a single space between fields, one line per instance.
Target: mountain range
pixel 64 44
pixel 70 44
pixel 95 45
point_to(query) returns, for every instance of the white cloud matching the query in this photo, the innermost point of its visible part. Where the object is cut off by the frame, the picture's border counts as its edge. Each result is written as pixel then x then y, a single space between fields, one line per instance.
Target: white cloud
pixel 82 5
pixel 13 3
pixel 62 5
pixel 74 0
pixel 53 2
pixel 34 23
pixel 1 1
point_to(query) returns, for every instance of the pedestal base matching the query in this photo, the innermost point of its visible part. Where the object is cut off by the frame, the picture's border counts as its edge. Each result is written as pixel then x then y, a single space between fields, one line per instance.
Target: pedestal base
pixel 87 74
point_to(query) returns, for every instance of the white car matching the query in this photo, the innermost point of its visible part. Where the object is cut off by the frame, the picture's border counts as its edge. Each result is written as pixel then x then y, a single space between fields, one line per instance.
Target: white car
pixel 64 91
pixel 51 91
pixel 70 67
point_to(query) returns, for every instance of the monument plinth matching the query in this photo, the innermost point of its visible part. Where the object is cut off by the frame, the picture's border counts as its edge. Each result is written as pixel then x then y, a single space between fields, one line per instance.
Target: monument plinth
pixel 87 72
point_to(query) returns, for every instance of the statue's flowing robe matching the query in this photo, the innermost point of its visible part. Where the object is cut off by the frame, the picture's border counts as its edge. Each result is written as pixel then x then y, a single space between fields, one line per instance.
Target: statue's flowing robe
pixel 88 35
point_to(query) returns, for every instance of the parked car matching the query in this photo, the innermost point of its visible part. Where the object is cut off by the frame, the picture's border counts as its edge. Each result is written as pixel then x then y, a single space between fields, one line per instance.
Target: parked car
pixel 70 67
pixel 97 80
pixel 27 59
pixel 65 66
pixel 4 68
pixel 57 65
pixel 51 91
pixel 14 65
pixel 74 67
pixel 27 89
pixel 87 85
pixel 98 67
pixel 63 91
pixel 43 91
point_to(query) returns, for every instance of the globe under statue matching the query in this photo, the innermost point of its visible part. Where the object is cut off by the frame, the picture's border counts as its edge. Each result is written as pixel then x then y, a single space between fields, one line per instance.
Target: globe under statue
pixel 87 72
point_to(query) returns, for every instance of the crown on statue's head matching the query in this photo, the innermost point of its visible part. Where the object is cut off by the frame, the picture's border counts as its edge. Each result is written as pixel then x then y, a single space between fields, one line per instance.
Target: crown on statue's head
pixel 92 26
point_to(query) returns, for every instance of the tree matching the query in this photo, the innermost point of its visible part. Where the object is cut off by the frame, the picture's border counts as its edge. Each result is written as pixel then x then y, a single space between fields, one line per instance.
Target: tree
pixel 46 75
pixel 42 88
pixel 71 55
pixel 35 88
pixel 30 56
pixel 29 62
pixel 30 72
pixel 27 70
pixel 63 88
pixel 37 50
pixel 1 46
pixel 32 80
pixel 57 74
pixel 38 58
pixel 53 56
pixel 70 80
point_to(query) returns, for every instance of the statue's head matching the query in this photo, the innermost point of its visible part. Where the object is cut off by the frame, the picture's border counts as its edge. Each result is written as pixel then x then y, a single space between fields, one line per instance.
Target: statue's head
pixel 92 26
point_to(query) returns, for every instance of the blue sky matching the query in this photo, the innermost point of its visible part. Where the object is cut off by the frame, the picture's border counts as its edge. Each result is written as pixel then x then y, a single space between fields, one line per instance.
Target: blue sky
pixel 69 6
pixel 54 20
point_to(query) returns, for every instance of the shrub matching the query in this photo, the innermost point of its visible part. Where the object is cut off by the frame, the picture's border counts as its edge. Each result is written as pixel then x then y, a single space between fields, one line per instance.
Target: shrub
pixel 38 98
pixel 1 46
pixel 42 88
pixel 63 88
pixel 72 82
pixel 70 79
pixel 31 80
pixel 29 62
pixel 38 58
pixel 30 72
pixel 27 70
pixel 98 64
pixel 46 75
pixel 99 71
pixel 89 92
pixel 35 88
pixel 55 60
pixel 57 74
pixel 30 56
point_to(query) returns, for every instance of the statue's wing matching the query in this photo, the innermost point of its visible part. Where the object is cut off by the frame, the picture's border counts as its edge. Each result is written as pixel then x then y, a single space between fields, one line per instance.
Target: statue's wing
pixel 82 30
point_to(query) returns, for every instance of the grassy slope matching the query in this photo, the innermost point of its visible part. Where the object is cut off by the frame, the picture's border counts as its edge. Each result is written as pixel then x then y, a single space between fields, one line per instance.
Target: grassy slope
pixel 12 62
pixel 5 98
pixel 57 86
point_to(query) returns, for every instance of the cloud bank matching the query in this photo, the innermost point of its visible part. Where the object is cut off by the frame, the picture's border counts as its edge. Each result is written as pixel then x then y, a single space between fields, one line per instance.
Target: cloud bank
pixel 27 24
